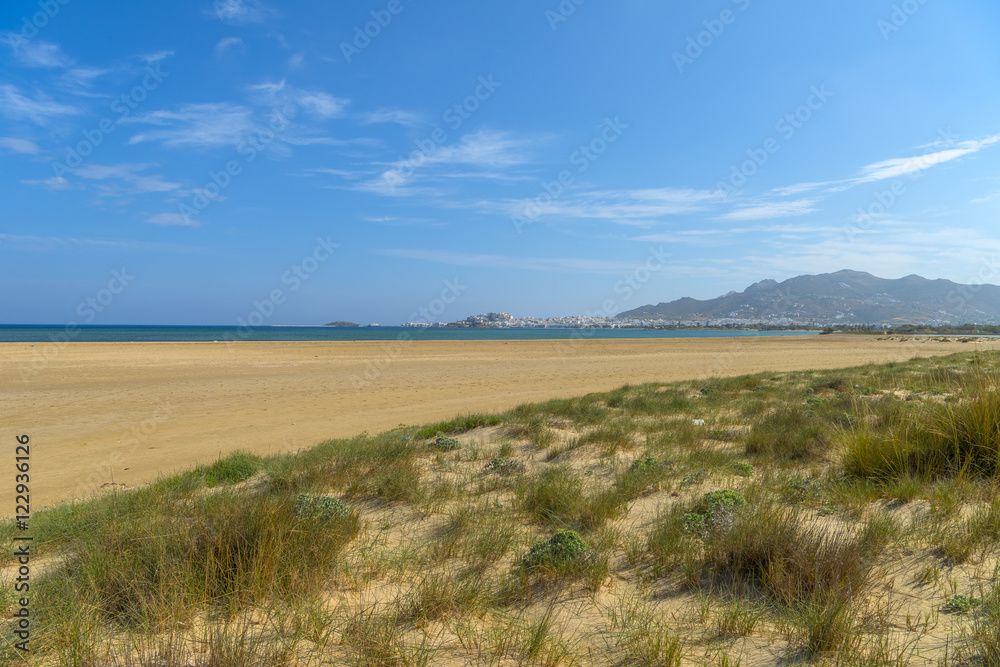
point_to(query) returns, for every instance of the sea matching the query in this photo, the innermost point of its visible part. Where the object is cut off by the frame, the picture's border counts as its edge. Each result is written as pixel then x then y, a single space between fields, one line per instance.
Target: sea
pixel 127 334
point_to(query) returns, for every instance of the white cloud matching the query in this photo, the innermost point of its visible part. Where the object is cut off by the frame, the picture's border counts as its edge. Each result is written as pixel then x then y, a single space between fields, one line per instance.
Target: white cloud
pixel 296 60
pixel 548 264
pixel 484 149
pixel 83 76
pixel 987 198
pixel 53 242
pixel 36 53
pixel 16 145
pixel 240 11
pixel 897 167
pixel 134 182
pixel 172 220
pixel 641 206
pixel 227 44
pixel 54 183
pixel 195 125
pixel 316 103
pixel 398 116
pixel 39 111
pixel 155 56
pixel 770 210
pixel 320 104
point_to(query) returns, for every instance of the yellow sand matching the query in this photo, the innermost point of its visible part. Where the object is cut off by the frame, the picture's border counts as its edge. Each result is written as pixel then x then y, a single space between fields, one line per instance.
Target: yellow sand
pixel 130 412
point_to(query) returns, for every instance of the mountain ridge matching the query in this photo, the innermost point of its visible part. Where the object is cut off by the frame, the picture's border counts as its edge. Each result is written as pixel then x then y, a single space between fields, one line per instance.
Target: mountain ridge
pixel 842 297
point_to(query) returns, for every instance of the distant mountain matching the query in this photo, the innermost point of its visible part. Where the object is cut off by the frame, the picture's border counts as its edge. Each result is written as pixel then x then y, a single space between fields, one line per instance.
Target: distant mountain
pixel 840 298
pixel 340 323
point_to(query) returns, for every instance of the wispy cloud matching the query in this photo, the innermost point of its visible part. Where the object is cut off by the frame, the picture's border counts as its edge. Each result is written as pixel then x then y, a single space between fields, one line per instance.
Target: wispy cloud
pixel 398 116
pixel 54 183
pixel 769 210
pixel 641 206
pixel 313 102
pixel 78 79
pixel 40 111
pixel 228 44
pixel 61 242
pixel 126 178
pixel 896 167
pixel 173 220
pixel 155 56
pixel 36 53
pixel 987 198
pixel 240 11
pixel 483 150
pixel 547 264
pixel 196 125
pixel 15 145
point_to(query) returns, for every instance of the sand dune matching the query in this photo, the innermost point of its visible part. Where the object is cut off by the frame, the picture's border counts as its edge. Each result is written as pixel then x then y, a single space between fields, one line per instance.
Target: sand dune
pixel 129 412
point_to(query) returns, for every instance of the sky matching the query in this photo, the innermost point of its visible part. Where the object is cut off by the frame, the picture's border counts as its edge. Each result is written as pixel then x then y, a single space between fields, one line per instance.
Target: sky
pixel 196 162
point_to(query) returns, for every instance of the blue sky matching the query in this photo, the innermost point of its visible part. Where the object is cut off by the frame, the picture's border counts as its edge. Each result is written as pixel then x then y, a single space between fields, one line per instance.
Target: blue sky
pixel 312 161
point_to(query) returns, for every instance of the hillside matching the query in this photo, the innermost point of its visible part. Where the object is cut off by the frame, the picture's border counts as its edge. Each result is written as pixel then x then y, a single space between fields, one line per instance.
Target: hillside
pixel 840 298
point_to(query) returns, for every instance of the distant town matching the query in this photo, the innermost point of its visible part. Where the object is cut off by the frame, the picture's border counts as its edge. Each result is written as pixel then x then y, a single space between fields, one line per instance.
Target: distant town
pixel 508 321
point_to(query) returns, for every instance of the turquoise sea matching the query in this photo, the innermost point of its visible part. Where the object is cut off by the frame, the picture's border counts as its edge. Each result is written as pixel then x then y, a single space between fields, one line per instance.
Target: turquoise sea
pixel 49 333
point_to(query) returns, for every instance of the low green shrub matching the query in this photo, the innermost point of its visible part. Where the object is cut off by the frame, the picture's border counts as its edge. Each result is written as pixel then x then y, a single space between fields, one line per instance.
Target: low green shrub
pixel 563 548
pixel 445 444
pixel 309 507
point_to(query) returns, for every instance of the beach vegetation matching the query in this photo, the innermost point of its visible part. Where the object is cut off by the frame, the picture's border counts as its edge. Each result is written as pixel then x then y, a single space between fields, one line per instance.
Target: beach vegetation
pixel 844 517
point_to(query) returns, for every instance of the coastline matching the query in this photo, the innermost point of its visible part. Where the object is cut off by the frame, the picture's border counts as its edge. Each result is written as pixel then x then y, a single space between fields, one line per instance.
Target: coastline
pixel 130 412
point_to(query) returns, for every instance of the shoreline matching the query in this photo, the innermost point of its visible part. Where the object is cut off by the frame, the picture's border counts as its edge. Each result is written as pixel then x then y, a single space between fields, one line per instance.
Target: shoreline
pixel 137 411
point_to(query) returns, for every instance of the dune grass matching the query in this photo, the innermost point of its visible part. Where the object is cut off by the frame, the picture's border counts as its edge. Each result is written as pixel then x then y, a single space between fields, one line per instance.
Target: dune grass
pixel 833 517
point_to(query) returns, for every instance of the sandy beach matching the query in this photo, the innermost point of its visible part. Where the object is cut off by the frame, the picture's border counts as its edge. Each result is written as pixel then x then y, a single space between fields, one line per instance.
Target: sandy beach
pixel 130 412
